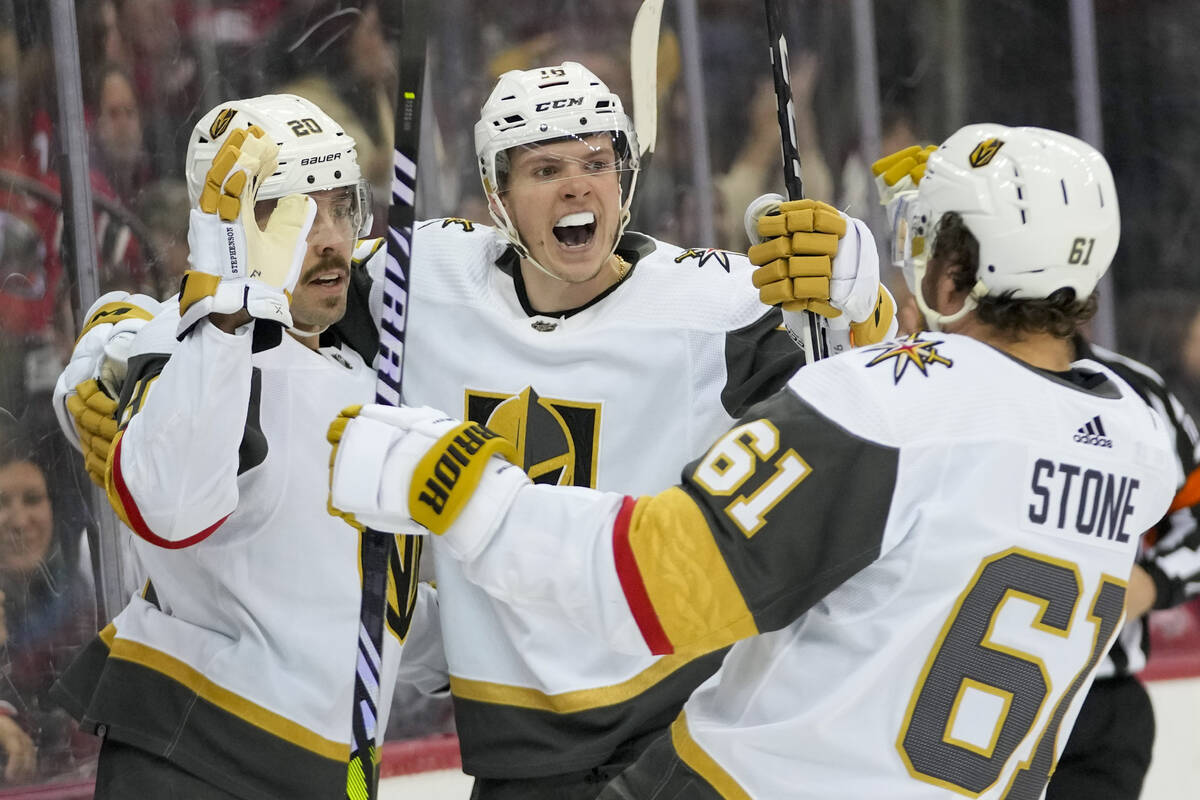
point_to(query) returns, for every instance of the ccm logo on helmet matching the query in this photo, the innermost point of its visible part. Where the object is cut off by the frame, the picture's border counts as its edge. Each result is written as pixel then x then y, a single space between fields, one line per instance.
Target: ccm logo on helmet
pixel 304 162
pixel 563 102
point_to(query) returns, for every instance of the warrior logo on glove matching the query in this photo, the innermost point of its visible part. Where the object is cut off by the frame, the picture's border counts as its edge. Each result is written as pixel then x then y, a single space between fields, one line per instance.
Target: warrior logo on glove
pixel 464 450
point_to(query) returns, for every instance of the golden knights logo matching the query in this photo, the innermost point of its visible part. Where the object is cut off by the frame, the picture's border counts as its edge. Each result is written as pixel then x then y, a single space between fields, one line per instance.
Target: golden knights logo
pixel 466 224
pixel 921 353
pixel 983 153
pixel 402 584
pixel 556 440
pixel 719 256
pixel 224 117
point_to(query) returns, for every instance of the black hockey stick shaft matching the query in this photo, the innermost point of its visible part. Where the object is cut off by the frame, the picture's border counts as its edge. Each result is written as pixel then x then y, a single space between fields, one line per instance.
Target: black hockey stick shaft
pixel 817 344
pixel 362 774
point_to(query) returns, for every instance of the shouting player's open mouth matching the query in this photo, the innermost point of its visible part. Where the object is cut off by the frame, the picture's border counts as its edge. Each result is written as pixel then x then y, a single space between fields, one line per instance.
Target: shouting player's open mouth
pixel 576 230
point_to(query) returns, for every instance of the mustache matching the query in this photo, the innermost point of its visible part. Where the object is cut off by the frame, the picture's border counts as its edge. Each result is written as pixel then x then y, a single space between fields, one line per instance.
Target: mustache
pixel 327 262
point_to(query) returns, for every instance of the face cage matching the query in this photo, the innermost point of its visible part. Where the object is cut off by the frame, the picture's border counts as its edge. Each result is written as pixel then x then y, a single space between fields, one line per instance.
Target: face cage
pixel 626 167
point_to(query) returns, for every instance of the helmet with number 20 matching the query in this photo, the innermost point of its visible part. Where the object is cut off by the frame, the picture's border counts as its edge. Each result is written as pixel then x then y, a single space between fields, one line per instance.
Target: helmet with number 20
pixel 1042 205
pixel 315 154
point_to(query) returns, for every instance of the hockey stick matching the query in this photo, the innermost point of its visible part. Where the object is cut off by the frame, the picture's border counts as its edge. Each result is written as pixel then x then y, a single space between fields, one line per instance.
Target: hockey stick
pixel 643 73
pixel 815 341
pixel 362 771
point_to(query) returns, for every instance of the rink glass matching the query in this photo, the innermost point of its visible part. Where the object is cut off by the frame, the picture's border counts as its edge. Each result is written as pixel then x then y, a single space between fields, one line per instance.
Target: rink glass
pixel 868 78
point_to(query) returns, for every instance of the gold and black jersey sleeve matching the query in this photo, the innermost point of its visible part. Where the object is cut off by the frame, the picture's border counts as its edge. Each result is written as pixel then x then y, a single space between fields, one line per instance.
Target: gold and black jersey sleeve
pixel 777 514
pixel 143 371
pixel 759 359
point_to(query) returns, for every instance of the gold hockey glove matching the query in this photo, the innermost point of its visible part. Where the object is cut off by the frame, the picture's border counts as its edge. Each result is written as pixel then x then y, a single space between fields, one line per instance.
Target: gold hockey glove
pixel 101 352
pixel 235 264
pixel 900 171
pixel 94 416
pixel 794 254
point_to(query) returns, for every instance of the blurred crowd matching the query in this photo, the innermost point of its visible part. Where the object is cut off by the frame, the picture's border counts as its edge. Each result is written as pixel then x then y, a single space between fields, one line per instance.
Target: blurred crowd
pixel 150 67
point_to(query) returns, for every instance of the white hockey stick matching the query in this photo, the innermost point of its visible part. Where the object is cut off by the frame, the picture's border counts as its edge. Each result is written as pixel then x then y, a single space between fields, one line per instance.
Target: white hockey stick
pixel 643 73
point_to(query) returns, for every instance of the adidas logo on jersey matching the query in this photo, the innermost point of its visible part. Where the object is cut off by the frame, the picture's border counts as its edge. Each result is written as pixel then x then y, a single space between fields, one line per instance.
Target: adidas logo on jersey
pixel 1093 433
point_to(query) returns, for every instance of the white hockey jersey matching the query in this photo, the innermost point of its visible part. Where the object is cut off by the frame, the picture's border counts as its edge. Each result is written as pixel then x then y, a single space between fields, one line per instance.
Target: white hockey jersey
pixel 924 559
pixel 238 660
pixel 616 395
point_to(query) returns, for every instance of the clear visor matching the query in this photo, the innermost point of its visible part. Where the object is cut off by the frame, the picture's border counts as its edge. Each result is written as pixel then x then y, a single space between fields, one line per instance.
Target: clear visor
pixel 342 210
pixel 601 156
pixel 909 224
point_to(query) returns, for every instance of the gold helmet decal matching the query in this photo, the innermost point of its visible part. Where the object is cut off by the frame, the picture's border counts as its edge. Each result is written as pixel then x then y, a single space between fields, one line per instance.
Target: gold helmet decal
pixel 556 440
pixel 222 121
pixel 983 153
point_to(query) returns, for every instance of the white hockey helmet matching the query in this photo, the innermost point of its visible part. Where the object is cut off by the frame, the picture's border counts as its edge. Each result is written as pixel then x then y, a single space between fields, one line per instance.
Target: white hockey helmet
pixel 541 105
pixel 1042 205
pixel 315 154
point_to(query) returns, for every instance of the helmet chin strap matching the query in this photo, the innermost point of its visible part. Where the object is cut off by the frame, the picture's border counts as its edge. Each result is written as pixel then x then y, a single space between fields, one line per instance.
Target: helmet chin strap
pixel 515 238
pixel 295 331
pixel 936 320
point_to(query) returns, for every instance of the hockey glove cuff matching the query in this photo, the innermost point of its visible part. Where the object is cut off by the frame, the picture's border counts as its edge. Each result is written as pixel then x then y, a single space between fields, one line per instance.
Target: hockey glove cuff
pixel 880 325
pixel 201 294
pixel 101 351
pixel 415 470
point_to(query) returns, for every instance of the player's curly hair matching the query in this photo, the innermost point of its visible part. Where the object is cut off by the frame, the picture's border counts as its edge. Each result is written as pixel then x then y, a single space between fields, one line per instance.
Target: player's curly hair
pixel 1060 314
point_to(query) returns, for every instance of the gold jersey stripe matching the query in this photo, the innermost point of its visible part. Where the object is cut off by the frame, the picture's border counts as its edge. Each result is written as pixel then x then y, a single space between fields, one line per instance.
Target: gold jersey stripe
pixel 186 675
pixel 111 486
pixel 570 702
pixel 695 757
pixel 696 598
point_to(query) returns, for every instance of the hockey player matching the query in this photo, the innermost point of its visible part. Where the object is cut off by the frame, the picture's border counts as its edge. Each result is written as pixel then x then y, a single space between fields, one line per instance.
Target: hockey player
pixel 231 673
pixel 609 357
pixel 1108 752
pixel 925 564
